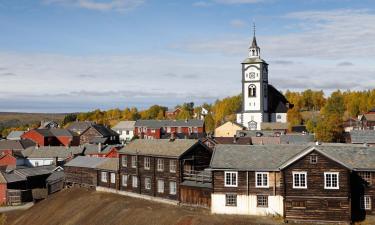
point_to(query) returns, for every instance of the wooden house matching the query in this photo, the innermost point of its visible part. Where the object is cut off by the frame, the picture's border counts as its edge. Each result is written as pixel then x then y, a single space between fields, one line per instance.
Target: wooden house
pixel 166 129
pixel 108 173
pixel 157 167
pixel 324 183
pixel 52 137
pixel 99 134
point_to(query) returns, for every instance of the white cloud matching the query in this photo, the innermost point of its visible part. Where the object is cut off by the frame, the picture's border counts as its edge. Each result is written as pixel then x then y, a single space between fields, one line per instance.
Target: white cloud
pixel 238 1
pixel 115 5
pixel 237 23
pixel 201 4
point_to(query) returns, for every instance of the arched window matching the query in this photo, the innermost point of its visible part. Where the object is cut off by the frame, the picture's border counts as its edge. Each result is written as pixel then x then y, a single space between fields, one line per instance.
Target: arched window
pixel 252 90
pixel 253 52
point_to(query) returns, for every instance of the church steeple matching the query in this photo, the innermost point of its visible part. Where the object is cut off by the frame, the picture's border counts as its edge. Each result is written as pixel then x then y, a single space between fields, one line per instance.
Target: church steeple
pixel 254 50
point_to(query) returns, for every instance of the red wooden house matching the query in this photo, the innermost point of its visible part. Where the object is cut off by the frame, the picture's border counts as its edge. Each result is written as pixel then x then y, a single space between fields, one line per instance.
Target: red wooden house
pixel 52 137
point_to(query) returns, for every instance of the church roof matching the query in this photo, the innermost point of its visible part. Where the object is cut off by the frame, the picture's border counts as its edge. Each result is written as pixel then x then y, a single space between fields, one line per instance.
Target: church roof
pixel 254 44
pixel 277 103
pixel 253 60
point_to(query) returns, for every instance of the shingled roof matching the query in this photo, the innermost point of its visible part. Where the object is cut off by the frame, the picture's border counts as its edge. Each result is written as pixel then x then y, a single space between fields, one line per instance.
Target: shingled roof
pixel 79 126
pixel 94 163
pixel 16 144
pixel 159 147
pixel 169 123
pixel 52 152
pixel 124 125
pixel 362 136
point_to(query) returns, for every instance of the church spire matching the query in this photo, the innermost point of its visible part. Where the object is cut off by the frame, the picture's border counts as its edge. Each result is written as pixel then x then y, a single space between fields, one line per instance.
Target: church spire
pixel 254 50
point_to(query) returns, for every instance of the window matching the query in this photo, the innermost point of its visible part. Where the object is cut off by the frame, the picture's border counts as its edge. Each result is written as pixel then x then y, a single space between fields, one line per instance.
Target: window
pixel 124 180
pixel 261 180
pixel 366 176
pixel 36 163
pixel 366 202
pixel 262 201
pixel 313 159
pixel 179 129
pixel 147 183
pixel 104 176
pixel 160 163
pixel 331 180
pixel 134 181
pixel 153 131
pixel 172 166
pixel 160 186
pixel 172 187
pixel 195 129
pixel 230 179
pixel 127 132
pixel 168 129
pixel 124 161
pixel 147 162
pixel 252 90
pixel 278 117
pixel 113 178
pixel 134 161
pixel 298 204
pixel 299 180
pixel 231 200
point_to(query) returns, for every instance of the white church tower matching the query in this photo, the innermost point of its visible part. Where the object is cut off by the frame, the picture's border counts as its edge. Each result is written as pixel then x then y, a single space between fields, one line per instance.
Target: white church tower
pixel 254 89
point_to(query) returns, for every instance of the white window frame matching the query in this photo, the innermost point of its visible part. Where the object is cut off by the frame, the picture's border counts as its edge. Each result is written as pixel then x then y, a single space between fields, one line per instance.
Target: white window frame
pixel 338 180
pixel 147 183
pixel 134 181
pixel 147 163
pixel 172 165
pixel 113 178
pixel 231 183
pixel 366 202
pixel 299 173
pixel 262 174
pixel 172 187
pixel 265 198
pixel 124 161
pixel 103 176
pixel 134 161
pixel 366 176
pixel 314 156
pixel 160 165
pixel 160 184
pixel 124 180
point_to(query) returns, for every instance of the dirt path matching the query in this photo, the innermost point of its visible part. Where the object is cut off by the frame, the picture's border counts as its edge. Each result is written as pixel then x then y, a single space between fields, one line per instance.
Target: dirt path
pixel 80 206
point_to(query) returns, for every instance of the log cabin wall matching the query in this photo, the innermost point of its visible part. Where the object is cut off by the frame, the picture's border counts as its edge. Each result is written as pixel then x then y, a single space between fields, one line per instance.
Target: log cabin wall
pixel 315 202
pixel 108 183
pixel 80 176
pixel 363 186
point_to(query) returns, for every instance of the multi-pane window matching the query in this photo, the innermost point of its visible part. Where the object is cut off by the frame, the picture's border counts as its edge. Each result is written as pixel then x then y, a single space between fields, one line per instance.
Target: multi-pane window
pixel 147 163
pixel 172 166
pixel 252 90
pixel 134 161
pixel 124 180
pixel 230 179
pixel 134 181
pixel 113 178
pixel 366 176
pixel 124 161
pixel 262 201
pixel 366 202
pixel 261 180
pixel 299 180
pixel 160 186
pixel 160 164
pixel 103 176
pixel 313 159
pixel 231 200
pixel 147 183
pixel 299 204
pixel 172 187
pixel 331 180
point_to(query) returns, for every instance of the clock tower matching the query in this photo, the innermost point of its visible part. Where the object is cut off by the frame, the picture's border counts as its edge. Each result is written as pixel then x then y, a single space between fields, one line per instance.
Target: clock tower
pixel 254 89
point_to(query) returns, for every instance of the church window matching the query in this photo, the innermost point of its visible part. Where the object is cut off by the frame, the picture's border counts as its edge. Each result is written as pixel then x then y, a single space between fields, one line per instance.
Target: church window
pixel 252 90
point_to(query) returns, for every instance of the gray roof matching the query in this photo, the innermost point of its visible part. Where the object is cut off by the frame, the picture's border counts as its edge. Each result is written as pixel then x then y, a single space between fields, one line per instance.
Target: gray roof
pixel 276 157
pixel 85 162
pixel 94 149
pixel 34 171
pixel 12 177
pixel 55 176
pixel 80 126
pixel 55 132
pixel 159 147
pixel 253 60
pixel 16 144
pixel 169 123
pixel 124 125
pixel 15 135
pixel 105 131
pixel 52 152
pixel 253 157
pixel 297 138
pixel 109 164
pixel 362 136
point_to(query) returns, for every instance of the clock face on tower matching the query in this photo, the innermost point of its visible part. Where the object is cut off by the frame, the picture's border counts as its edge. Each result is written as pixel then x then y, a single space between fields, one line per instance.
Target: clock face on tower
pixel 252 75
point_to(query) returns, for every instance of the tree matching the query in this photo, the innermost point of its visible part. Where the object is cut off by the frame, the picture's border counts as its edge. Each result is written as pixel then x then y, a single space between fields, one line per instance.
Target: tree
pixel 209 124
pixel 294 117
pixel 68 119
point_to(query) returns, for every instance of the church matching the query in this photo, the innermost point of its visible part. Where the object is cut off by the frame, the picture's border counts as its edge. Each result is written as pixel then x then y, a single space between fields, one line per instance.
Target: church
pixel 261 102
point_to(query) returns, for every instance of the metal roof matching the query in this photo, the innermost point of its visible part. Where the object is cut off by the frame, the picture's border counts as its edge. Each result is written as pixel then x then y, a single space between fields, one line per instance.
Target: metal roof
pixel 85 162
pixel 15 135
pixel 159 147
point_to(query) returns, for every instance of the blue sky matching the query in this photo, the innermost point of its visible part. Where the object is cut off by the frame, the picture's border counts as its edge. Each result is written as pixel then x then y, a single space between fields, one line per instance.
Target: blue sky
pixel 78 55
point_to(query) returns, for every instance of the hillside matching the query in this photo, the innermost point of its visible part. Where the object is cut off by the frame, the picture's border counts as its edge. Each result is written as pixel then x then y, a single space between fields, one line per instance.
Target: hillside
pixel 81 206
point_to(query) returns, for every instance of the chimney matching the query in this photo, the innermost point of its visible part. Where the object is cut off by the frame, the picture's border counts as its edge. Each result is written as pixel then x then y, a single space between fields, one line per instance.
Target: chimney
pixel 99 147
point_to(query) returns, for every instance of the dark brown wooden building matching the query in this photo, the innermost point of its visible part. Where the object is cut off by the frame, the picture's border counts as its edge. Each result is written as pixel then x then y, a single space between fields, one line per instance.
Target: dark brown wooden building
pixel 158 167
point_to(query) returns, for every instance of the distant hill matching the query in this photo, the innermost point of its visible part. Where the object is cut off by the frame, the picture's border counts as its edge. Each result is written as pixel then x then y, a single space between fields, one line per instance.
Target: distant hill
pixel 81 206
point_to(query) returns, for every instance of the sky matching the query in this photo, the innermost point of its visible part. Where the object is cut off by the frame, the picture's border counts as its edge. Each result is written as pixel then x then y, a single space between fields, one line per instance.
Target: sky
pixel 80 55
